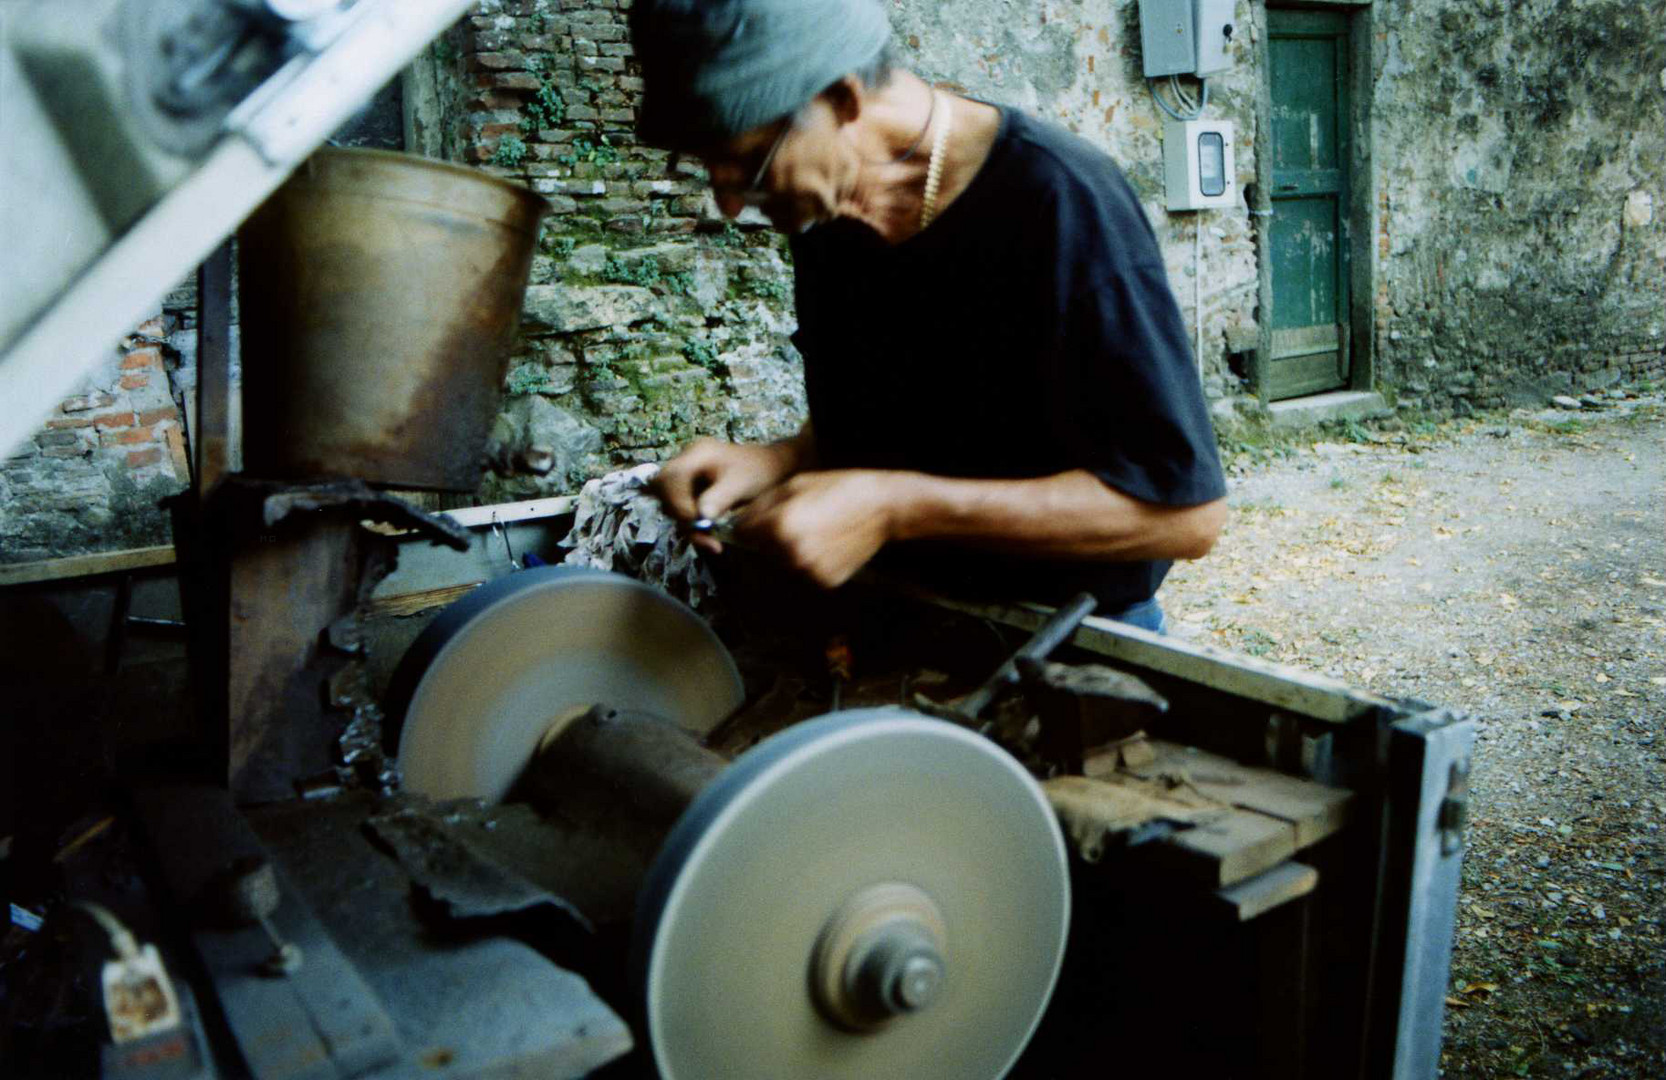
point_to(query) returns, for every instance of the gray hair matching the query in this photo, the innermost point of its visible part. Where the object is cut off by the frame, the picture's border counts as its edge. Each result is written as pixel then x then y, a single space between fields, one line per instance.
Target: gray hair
pixel 713 69
pixel 876 73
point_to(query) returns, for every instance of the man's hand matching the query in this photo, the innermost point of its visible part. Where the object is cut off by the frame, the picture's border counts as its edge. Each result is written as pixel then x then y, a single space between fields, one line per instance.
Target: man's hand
pixel 712 477
pixel 826 525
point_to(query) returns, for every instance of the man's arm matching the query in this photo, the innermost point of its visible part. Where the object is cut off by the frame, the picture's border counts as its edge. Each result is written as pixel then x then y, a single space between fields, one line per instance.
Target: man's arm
pixel 829 524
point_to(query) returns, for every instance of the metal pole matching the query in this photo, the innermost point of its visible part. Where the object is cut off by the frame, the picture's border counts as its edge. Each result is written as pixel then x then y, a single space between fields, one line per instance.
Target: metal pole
pixel 213 368
pixel 1049 636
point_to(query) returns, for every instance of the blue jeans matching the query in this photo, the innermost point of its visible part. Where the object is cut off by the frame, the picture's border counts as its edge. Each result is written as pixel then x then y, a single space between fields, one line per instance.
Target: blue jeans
pixel 1147 615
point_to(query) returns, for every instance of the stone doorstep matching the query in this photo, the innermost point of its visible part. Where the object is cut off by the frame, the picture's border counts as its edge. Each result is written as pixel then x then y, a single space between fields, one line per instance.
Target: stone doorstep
pixel 1336 405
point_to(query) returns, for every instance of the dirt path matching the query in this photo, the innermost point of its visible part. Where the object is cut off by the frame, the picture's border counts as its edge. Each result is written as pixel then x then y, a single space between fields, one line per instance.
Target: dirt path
pixel 1513 567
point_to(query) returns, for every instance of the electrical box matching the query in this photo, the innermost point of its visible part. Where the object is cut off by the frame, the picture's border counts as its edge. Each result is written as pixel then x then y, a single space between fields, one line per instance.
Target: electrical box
pixel 1166 44
pixel 1212 27
pixel 1186 37
pixel 1197 165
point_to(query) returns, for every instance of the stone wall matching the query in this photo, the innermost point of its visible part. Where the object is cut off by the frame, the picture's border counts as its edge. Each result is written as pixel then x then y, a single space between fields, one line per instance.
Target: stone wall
pixel 1522 150
pixel 650 319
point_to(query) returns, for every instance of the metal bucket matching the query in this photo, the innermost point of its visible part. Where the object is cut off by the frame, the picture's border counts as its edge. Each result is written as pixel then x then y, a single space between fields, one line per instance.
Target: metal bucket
pixel 379 297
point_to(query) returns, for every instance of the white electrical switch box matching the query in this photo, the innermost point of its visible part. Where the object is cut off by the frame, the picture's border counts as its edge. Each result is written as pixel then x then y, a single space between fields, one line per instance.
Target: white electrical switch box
pixel 1212 22
pixel 1197 165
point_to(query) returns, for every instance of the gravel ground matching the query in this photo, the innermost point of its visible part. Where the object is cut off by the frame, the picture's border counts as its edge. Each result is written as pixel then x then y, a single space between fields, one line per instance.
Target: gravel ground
pixel 1512 566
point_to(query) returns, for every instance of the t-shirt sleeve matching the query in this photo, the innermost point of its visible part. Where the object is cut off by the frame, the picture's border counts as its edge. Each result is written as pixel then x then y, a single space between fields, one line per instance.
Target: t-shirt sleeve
pixel 1129 405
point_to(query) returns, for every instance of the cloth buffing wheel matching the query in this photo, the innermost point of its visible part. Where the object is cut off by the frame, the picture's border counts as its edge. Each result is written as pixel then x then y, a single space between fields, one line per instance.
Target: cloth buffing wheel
pixel 480 686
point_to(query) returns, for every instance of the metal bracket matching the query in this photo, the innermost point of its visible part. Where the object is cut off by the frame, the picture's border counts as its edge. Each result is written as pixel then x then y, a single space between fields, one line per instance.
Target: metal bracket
pixel 1454 809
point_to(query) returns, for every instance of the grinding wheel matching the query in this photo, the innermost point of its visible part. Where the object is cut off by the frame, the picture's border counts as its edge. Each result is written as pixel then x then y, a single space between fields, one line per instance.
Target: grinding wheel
pixel 482 684
pixel 873 825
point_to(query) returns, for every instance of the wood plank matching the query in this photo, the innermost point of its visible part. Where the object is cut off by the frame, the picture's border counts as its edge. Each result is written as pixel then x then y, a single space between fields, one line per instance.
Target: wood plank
pixel 504 513
pixel 175 437
pixel 1280 685
pixel 1297 341
pixel 475 517
pixel 1299 376
pixel 74 566
pixel 417 602
pixel 1230 849
pixel 1094 812
pixel 1315 810
pixel 1260 894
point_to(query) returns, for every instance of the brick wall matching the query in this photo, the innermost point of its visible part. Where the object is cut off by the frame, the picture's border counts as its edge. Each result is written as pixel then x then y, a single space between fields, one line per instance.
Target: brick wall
pixel 91 477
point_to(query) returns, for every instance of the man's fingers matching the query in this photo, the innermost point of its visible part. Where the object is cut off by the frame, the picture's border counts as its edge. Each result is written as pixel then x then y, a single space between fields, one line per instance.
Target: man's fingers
pixel 723 493
pixel 758 513
pixel 677 486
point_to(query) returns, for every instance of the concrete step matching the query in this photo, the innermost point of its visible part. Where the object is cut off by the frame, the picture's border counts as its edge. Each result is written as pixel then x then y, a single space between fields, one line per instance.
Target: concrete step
pixel 1337 405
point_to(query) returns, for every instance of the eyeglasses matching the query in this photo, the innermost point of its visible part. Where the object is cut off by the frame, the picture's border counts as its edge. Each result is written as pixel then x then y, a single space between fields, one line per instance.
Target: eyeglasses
pixel 754 195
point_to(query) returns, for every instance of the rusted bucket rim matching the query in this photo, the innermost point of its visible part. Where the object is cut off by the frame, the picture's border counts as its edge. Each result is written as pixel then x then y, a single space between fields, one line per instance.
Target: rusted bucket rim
pixel 388 174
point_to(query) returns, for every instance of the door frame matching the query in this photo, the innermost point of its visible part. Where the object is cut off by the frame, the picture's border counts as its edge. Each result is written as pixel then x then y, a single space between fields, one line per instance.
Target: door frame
pixel 1360 226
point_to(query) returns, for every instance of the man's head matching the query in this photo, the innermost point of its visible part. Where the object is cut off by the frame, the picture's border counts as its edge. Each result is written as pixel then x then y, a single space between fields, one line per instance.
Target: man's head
pixel 760 89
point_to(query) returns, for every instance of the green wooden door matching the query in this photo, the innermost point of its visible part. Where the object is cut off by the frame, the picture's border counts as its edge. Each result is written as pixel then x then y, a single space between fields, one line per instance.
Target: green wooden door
pixel 1308 53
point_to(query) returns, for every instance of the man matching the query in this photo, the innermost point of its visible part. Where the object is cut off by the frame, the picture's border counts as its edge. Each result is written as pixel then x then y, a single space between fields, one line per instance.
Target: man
pixel 1002 399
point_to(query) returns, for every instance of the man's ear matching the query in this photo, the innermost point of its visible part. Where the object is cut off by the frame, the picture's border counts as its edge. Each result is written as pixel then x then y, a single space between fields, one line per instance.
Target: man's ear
pixel 845 98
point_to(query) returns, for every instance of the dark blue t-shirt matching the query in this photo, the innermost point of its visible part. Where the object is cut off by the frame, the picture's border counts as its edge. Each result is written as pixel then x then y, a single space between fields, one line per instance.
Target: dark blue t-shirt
pixel 1031 330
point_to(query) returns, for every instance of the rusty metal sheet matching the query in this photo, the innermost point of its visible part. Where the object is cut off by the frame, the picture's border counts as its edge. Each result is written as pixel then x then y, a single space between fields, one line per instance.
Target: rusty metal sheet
pixel 465 883
pixel 465 1006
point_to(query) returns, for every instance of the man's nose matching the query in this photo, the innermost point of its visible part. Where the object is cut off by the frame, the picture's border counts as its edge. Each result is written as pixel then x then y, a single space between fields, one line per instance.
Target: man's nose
pixel 729 202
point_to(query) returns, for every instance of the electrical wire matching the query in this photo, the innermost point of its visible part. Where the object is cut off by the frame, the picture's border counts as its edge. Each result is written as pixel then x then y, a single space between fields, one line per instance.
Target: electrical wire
pixel 1186 103
pixel 1197 288
pixel 1180 96
pixel 121 938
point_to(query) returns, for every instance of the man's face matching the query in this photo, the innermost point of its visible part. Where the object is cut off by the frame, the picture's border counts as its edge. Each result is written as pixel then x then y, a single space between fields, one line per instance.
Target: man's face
pixel 788 169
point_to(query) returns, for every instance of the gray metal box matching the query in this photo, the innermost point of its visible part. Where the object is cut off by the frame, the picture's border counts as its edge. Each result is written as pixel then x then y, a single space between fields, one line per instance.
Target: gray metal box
pixel 1167 44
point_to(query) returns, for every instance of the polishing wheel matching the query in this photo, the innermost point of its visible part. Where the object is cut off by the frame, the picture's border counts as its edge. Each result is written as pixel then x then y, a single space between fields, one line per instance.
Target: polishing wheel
pixel 870 894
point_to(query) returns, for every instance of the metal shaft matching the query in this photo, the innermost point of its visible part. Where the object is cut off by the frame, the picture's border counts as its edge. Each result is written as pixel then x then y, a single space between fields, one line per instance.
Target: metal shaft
pixel 1049 636
pixel 634 764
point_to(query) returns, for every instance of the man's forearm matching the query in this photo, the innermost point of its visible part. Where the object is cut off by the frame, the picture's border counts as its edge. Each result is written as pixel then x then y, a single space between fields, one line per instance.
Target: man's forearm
pixel 1071 515
pixel 798 451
